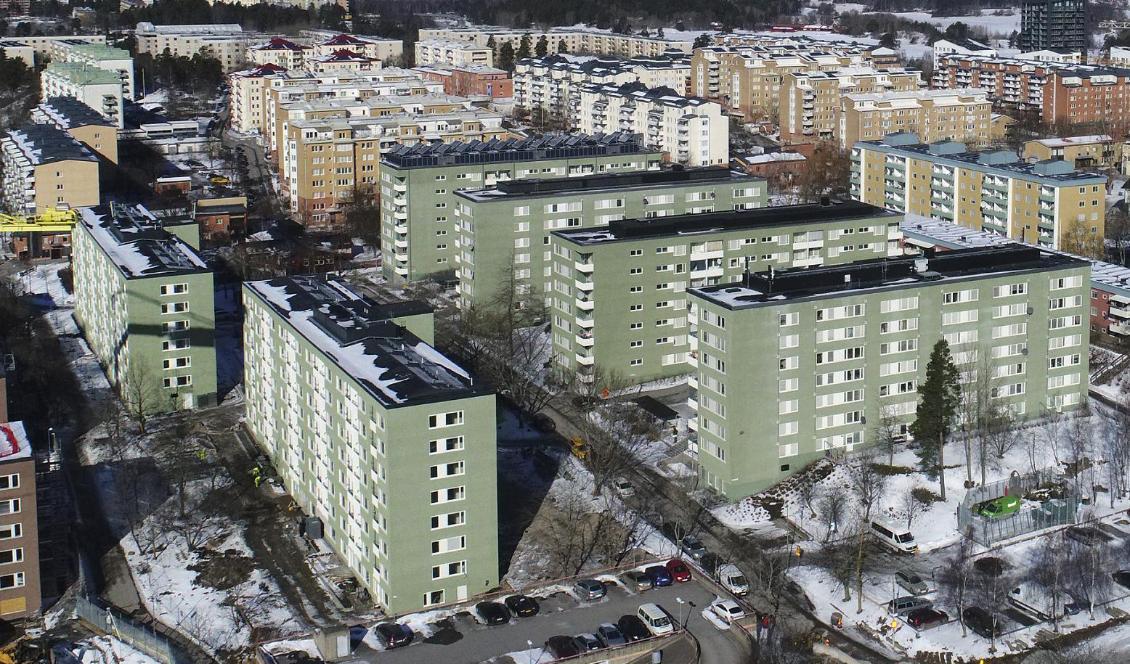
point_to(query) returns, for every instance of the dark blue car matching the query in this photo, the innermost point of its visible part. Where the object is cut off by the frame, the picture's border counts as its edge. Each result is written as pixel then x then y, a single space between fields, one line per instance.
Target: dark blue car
pixel 659 575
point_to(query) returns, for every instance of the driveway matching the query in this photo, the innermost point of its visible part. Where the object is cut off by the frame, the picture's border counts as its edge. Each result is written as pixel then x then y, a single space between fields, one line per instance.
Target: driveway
pixel 561 614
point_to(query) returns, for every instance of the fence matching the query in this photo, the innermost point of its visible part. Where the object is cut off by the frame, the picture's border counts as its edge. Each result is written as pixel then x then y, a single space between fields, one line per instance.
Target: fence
pixel 1058 509
pixel 112 621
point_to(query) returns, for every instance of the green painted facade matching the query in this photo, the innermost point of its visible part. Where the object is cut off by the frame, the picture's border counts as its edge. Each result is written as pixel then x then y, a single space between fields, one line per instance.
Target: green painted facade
pixel 418 225
pixel 780 382
pixel 373 468
pixel 619 293
pixel 503 230
pixel 153 332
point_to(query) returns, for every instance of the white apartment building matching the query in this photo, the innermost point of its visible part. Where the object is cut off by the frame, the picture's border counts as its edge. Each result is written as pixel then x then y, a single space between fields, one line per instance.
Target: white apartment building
pixel 691 130
pixel 97 88
pixel 454 53
pixel 575 40
pixel 248 105
pixel 553 83
pixel 328 43
pixel 115 60
pixel 1120 56
pixel 944 47
pixel 226 42
pixel 280 52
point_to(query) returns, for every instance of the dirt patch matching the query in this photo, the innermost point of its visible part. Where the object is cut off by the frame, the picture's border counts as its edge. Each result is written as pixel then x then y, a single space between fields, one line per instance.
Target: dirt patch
pixel 223 571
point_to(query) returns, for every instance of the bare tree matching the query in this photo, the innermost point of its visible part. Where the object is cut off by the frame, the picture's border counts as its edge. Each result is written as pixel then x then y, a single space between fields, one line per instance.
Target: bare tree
pixel 832 508
pixel 141 395
pixel 1077 435
pixel 1116 447
pixel 868 485
pixel 1089 577
pixel 1083 239
pixel 990 591
pixel 888 433
pixel 999 431
pixel 1051 572
pixel 910 506
pixel 957 577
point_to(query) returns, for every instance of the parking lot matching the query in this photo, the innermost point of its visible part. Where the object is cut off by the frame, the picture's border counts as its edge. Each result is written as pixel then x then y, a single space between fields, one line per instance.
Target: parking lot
pixel 462 639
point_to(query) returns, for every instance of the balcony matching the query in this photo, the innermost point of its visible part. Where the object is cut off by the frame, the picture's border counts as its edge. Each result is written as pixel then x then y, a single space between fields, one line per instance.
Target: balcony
pixel 1120 307
pixel 585 360
pixel 585 322
pixel 585 339
pixel 400 214
pixel 400 187
pixel 692 382
pixel 584 304
pixel 583 285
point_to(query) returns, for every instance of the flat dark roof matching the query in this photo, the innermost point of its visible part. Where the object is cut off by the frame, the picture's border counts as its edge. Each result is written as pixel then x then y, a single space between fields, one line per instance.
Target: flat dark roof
pixel 780 286
pixel 548 186
pixel 688 224
pixel 547 146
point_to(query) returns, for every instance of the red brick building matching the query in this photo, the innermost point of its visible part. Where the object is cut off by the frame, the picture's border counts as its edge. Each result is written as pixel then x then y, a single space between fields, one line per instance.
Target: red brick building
pixel 221 219
pixel 471 80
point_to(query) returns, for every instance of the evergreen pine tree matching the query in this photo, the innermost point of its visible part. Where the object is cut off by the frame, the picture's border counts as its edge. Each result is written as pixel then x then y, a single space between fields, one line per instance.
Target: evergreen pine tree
pixel 542 47
pixel 524 47
pixel 940 394
pixel 506 57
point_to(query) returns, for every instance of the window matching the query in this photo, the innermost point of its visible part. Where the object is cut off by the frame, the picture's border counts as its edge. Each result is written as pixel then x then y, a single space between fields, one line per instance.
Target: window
pixel 452 469
pixel 785 320
pixel 174 289
pixel 9 482
pixel 450 569
pixel 175 326
pixel 11 506
pixel 457 543
pixel 441 420
pixel 177 381
pixel 448 495
pixel 175 344
pixel 12 581
pixel 433 598
pixel 12 556
pixel 177 363
pixel 449 520
pixel 442 445
pixel 11 531
pixel 1009 290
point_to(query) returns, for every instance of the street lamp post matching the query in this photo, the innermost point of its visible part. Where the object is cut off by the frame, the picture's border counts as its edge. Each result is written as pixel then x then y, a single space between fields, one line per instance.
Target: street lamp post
pixel 682 604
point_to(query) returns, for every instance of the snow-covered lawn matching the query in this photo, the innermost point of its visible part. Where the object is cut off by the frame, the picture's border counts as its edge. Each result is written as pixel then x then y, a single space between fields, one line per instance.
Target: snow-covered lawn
pixel 109 650
pixel 935 526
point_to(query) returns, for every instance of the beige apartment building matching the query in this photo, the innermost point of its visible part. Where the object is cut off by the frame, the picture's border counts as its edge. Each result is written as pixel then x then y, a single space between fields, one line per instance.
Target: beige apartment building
pixel 454 53
pixel 747 79
pixel 44 168
pixel 226 42
pixel 327 161
pixel 82 123
pixel 935 115
pixel 327 43
pixel 19 525
pixel 248 97
pixel 1094 152
pixel 1046 203
pixel 809 109
pixel 577 41
pixel 95 87
pixel 279 52
pixel 553 83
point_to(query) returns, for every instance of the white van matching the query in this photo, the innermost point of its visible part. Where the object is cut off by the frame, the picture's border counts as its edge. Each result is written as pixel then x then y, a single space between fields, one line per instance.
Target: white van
pixel 656 619
pixel 897 539
pixel 733 580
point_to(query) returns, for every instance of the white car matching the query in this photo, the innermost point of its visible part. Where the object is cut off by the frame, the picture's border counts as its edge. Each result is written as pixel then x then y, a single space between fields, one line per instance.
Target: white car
pixel 623 487
pixel 728 610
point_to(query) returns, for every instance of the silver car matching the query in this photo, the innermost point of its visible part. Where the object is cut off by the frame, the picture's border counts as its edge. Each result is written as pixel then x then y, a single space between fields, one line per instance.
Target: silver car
pixel 911 582
pixel 588 590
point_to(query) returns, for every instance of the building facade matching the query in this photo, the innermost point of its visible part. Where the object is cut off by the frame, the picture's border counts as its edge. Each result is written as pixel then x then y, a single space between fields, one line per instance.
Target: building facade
pixel 1097 151
pixel 503 234
pixel 83 124
pixel 1053 24
pixel 618 295
pixel 471 80
pixel 936 115
pixel 692 131
pixel 418 185
pixel 44 168
pixel 558 40
pixel 279 52
pixel 115 60
pixel 1045 203
pixel 795 363
pixel 455 53
pixel 809 108
pixel 144 301
pixel 376 434
pixel 553 83
pixel 20 595
pixel 97 88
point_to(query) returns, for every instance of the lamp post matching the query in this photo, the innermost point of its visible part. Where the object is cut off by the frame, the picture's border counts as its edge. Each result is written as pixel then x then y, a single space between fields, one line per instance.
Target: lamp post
pixel 682 604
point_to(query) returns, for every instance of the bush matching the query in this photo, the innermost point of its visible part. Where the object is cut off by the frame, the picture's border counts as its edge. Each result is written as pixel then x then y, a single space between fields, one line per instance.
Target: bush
pixel 887 471
pixel 924 495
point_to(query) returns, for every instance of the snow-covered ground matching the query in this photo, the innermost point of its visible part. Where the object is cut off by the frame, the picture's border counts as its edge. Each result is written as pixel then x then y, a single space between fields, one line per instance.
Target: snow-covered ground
pixel 109 650
pixel 995 25
pixel 935 526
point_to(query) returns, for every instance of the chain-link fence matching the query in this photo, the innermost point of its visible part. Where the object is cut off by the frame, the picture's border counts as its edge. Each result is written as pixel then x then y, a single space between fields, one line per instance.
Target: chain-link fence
pixel 1058 506
pixel 118 624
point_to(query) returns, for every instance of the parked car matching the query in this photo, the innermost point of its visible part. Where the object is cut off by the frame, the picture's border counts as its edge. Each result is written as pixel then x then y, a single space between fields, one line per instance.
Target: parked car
pixel 493 613
pixel 732 579
pixel 980 622
pixel 588 642
pixel 998 508
pixel 659 575
pixel 561 647
pixel 655 619
pixel 633 628
pixel 693 547
pixel 1122 577
pixel 679 570
pixel 727 609
pixel 610 635
pixel 393 635
pixel 900 606
pixel 1087 536
pixel 637 580
pixel 588 590
pixel 911 582
pixel 623 487
pixel 522 606
pixel 897 539
pixel 989 566
pixel 926 618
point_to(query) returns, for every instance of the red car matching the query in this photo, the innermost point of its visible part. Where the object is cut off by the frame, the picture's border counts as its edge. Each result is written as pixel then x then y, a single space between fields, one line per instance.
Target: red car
pixel 679 570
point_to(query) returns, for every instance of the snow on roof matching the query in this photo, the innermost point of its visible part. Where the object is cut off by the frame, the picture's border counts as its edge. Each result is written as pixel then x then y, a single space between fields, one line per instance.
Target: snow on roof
pixel 13 442
pixel 1074 140
pixel 773 157
pixel 137 243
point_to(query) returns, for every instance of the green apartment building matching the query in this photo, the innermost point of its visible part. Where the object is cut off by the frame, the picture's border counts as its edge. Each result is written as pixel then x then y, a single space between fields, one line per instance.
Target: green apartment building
pixel 418 183
pixel 509 227
pixel 618 298
pixel 794 363
pixel 144 300
pixel 374 432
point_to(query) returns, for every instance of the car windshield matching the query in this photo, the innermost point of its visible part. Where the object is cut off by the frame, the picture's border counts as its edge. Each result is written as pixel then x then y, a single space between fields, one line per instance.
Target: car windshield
pixel 737 580
pixel 735 610
pixel 905 538
pixel 662 622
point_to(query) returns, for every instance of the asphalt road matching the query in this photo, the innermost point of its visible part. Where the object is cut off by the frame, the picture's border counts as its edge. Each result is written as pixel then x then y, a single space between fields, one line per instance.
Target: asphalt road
pixel 561 614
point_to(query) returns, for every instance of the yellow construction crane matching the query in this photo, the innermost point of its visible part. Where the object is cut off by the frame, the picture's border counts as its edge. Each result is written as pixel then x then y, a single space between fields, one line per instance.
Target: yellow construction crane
pixel 51 221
